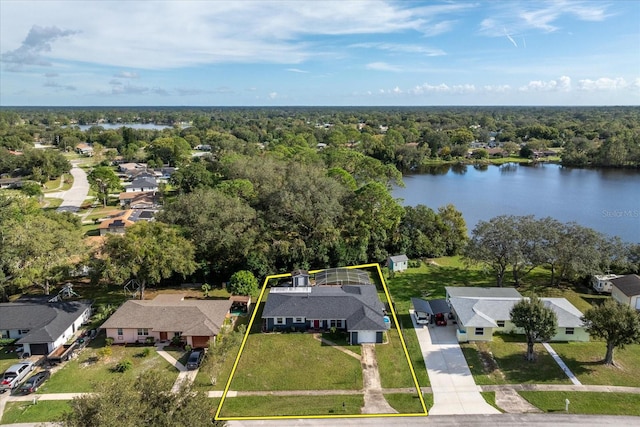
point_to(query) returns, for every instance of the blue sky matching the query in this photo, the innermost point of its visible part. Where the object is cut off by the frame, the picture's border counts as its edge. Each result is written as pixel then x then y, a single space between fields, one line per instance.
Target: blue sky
pixel 377 53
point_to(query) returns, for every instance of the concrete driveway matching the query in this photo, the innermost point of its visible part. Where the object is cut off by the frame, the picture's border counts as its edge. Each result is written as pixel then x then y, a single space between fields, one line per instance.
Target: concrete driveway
pixel 454 390
pixel 73 198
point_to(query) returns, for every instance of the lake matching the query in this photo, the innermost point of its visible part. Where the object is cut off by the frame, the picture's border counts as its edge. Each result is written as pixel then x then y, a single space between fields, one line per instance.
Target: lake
pixel 607 200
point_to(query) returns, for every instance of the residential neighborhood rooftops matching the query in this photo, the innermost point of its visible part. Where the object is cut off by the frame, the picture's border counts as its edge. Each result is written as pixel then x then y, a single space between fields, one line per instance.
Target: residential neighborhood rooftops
pixel 172 312
pixel 478 292
pixel 45 321
pixel 628 285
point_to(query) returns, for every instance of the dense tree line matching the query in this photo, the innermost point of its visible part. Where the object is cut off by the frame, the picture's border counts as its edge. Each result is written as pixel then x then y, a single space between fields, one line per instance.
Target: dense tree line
pixel 404 137
pixel 519 244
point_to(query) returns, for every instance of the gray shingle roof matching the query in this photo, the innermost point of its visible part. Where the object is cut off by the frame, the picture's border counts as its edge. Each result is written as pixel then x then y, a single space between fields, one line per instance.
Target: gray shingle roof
pixel 628 285
pixel 359 305
pixel 478 292
pixel 399 258
pixel 190 317
pixel 45 321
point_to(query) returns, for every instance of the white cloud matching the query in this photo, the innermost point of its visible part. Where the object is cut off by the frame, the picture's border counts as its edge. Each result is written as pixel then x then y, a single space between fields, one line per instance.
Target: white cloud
pixel 382 66
pixel 273 95
pixel 34 48
pixel 401 48
pixel 521 17
pixel 443 88
pixel 126 75
pixel 562 84
pixel 606 83
pixel 164 35
pixel 297 70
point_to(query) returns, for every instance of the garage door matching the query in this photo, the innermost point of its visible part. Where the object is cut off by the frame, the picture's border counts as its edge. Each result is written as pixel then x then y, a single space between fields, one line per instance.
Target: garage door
pixel 200 341
pixel 39 348
pixel 365 337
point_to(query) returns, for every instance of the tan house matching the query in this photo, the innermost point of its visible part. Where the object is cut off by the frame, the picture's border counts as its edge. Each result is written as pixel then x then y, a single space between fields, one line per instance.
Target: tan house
pixel 167 316
pixel 479 312
pixel 116 224
pixel 626 290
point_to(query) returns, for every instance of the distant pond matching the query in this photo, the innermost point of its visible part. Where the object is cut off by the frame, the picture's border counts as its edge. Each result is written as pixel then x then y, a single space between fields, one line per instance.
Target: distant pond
pixel 607 200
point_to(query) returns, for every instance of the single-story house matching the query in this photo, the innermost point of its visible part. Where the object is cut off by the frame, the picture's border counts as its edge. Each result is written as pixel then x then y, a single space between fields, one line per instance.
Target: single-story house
pixel 479 312
pixel 354 308
pixel 116 224
pixel 42 326
pixel 84 149
pixel 398 263
pixel 626 290
pixel 132 168
pixel 602 283
pixel 139 199
pixel 167 316
pixel 144 182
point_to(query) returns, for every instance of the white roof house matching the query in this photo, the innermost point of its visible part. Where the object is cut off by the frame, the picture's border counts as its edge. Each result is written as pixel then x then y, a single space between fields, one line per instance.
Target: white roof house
pixel 479 312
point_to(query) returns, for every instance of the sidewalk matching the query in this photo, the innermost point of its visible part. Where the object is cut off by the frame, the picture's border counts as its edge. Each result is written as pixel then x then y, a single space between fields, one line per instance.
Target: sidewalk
pixel 183 375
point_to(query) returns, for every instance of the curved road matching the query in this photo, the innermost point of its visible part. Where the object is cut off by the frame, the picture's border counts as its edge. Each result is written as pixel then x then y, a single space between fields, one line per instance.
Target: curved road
pixel 73 198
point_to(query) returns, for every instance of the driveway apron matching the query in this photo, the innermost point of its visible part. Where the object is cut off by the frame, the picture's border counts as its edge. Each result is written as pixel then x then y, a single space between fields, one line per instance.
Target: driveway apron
pixel 454 390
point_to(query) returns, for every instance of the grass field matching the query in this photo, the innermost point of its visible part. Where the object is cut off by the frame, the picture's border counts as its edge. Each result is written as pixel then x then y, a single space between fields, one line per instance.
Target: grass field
pixel 85 372
pixel 584 359
pixel 502 361
pixel 294 361
pixel 392 365
pixel 405 403
pixel 27 412
pixel 7 357
pixel 260 406
pixel 585 402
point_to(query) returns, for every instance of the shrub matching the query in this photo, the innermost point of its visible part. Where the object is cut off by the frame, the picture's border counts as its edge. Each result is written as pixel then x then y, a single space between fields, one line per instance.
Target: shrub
pixel 187 347
pixel 108 341
pixel 104 352
pixel 145 352
pixel 123 366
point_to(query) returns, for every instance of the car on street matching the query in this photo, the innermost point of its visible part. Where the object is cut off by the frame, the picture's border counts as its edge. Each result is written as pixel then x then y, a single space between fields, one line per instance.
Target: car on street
pixel 14 375
pixel 195 358
pixel 33 383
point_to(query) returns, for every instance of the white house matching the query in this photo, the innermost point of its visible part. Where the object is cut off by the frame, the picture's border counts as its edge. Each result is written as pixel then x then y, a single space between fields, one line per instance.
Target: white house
pixel 626 290
pixel 479 312
pixel 42 326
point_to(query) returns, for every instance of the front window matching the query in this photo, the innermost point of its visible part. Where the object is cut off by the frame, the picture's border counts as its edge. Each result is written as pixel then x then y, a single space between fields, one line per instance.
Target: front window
pixel 279 321
pixel 500 323
pixel 176 334
pixel 569 331
pixel 143 331
pixel 120 331
pixel 479 331
pixel 298 320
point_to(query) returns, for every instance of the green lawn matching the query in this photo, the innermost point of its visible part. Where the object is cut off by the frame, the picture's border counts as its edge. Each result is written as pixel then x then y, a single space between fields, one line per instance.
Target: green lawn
pixel 27 412
pixel 405 403
pixel 7 357
pixel 584 360
pixel 294 361
pixel 585 402
pixel 392 363
pixel 260 406
pixel 85 372
pixel 501 361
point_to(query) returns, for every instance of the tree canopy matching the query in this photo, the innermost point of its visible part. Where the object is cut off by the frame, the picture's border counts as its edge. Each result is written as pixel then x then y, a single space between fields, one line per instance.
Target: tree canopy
pixel 538 322
pixel 615 323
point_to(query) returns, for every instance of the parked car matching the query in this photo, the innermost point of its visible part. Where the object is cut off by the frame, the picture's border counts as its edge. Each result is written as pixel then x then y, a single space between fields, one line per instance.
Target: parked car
pixel 441 320
pixel 421 318
pixel 34 382
pixel 195 358
pixel 14 375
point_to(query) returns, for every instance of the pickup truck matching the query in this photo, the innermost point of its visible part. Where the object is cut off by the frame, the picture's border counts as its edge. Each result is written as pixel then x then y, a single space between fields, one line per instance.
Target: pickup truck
pixel 14 375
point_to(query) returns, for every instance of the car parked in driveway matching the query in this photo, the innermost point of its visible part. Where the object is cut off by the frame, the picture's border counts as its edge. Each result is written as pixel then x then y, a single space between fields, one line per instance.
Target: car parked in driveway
pixel 14 375
pixel 33 383
pixel 195 358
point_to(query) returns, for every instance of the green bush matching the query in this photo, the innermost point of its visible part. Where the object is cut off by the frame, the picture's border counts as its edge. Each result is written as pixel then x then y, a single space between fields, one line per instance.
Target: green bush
pixel 145 352
pixel 104 352
pixel 123 366
pixel 108 341
pixel 187 347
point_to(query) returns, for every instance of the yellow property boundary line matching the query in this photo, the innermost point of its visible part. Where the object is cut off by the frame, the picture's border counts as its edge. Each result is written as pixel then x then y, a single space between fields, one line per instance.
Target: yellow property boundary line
pixel 285 417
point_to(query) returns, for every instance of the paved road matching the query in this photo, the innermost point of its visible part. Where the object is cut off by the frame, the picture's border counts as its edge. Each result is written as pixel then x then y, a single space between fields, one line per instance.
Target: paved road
pixel 73 198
